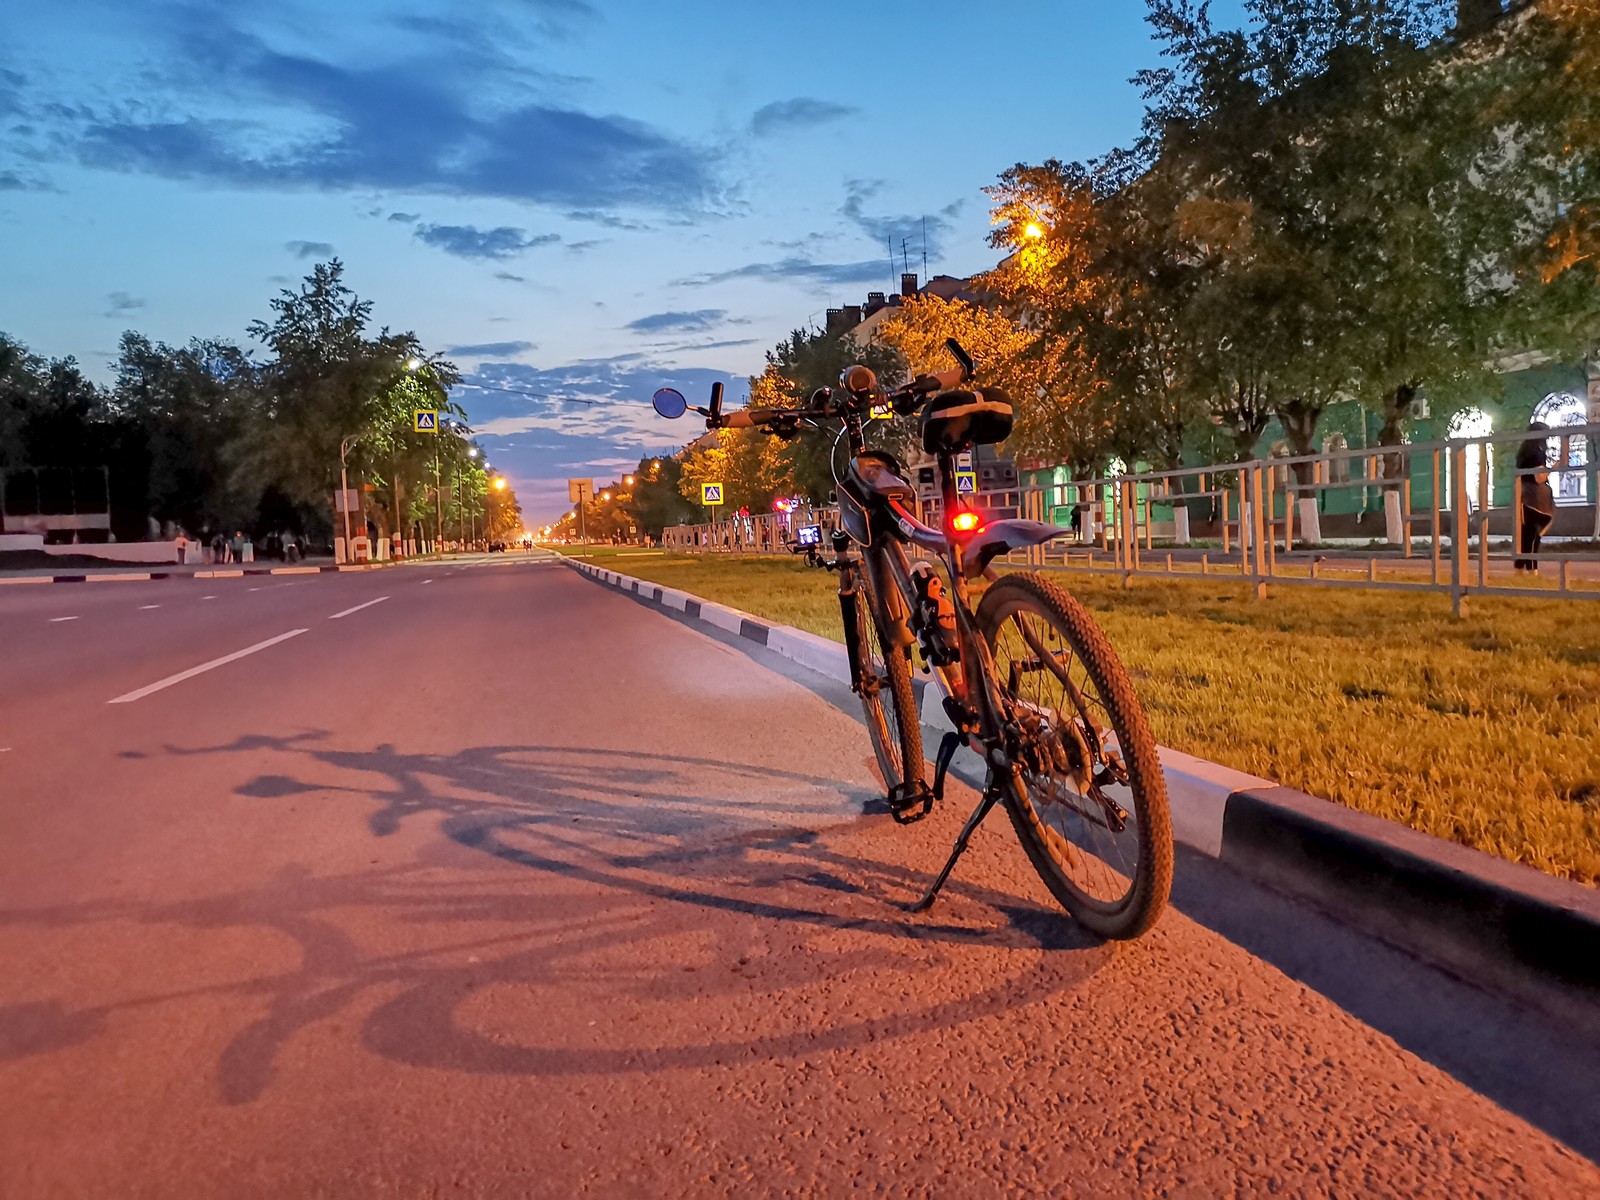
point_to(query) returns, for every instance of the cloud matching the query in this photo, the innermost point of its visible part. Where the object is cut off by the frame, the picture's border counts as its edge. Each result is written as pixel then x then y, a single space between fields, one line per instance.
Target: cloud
pixel 723 345
pixel 309 249
pixel 120 304
pixel 10 181
pixel 700 319
pixel 402 125
pixel 489 349
pixel 590 244
pixel 803 112
pixel 404 218
pixel 509 277
pixel 468 241
pixel 915 233
pixel 798 269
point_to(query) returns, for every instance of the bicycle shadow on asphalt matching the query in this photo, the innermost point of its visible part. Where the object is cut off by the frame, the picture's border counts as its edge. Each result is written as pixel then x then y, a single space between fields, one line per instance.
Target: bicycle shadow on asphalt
pixel 741 937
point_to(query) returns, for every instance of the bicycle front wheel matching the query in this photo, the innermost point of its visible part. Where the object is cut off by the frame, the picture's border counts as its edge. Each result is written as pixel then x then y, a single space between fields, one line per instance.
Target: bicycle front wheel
pixel 887 698
pixel 1088 799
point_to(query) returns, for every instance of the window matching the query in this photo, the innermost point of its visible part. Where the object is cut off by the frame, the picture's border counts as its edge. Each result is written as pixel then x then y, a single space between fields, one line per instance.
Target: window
pixel 1471 423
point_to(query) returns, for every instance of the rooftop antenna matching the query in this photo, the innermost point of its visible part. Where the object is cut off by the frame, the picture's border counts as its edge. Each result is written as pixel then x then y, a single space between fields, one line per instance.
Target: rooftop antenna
pixel 889 240
pixel 905 258
pixel 924 249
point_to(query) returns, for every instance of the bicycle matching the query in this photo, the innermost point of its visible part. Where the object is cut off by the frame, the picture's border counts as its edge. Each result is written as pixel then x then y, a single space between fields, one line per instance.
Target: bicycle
pixel 1027 678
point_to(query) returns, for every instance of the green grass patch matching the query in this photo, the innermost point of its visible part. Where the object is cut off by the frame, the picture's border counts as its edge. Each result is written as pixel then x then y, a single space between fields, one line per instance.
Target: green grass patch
pixel 1485 731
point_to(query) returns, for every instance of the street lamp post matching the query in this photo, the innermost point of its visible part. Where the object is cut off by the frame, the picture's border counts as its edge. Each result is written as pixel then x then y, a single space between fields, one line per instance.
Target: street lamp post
pixel 344 491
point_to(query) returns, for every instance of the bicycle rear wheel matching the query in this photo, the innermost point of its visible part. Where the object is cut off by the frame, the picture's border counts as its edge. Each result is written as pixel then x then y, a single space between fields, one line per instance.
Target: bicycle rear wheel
pixel 887 699
pixel 1089 801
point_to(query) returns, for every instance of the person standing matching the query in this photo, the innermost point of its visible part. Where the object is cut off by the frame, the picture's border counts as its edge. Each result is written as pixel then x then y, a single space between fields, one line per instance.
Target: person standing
pixel 1535 497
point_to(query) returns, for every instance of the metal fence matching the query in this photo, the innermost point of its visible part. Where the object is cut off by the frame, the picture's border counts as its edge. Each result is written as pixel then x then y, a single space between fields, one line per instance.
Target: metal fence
pixel 1263 521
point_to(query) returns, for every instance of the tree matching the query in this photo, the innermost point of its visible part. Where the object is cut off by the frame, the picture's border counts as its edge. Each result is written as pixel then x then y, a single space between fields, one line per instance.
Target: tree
pixel 329 384
pixel 656 500
pixel 188 404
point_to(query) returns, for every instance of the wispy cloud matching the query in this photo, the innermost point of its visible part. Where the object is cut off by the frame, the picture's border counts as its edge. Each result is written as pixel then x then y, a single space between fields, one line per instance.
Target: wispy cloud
pixel 468 241
pixel 699 319
pixel 489 349
pixel 509 277
pixel 803 112
pixel 404 218
pixel 913 233
pixel 120 304
pixel 309 249
pixel 797 269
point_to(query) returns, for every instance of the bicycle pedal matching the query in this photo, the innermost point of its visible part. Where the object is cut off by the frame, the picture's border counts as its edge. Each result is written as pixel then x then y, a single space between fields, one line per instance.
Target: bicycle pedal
pixel 910 802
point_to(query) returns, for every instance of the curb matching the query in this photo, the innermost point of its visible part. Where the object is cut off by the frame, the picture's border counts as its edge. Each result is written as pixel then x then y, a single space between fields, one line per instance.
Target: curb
pixel 1479 916
pixel 209 574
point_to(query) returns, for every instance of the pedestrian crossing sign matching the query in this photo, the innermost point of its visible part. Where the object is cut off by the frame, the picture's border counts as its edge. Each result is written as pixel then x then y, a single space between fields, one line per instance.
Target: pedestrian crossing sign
pixel 425 420
pixel 966 483
pixel 710 493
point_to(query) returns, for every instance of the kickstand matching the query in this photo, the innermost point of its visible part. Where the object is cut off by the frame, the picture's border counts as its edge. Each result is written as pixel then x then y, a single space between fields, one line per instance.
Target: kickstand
pixel 991 793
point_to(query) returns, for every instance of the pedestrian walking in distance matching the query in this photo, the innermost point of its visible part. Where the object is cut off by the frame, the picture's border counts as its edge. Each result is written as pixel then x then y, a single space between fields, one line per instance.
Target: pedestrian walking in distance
pixel 1534 497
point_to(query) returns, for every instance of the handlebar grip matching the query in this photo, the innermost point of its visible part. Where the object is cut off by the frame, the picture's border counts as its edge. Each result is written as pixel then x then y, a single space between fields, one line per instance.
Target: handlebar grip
pixel 737 420
pixel 716 400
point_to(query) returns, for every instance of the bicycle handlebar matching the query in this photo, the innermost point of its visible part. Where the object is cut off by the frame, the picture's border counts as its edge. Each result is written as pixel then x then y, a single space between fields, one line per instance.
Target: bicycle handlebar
pixel 902 400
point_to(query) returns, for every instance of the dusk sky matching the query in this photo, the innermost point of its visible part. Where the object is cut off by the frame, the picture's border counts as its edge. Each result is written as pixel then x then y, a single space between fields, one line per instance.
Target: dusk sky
pixel 582 199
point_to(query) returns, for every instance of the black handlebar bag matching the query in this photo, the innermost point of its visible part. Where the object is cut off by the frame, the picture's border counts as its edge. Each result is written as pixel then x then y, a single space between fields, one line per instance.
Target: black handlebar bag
pixel 957 421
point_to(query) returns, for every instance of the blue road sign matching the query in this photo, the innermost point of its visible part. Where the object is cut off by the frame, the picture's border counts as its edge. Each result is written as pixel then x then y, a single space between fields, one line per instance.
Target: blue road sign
pixel 425 420
pixel 966 483
pixel 710 493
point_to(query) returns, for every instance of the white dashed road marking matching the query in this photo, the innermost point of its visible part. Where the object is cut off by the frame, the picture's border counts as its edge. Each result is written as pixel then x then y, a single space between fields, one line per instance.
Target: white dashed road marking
pixel 142 607
pixel 53 620
pixel 357 608
pixel 141 693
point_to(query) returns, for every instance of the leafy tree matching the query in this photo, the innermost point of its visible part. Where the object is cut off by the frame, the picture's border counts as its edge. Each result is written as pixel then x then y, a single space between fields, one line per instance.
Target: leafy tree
pixel 330 384
pixel 656 500
pixel 188 404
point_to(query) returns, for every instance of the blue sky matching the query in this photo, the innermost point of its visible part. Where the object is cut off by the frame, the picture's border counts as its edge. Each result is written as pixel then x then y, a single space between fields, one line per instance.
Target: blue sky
pixel 578 199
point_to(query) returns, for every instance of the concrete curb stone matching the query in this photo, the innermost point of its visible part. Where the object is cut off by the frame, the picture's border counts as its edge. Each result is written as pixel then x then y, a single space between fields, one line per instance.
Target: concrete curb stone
pixel 1473 913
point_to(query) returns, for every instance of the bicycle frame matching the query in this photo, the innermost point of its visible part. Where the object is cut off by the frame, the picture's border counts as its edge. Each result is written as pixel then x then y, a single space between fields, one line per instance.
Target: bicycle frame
pixel 979 718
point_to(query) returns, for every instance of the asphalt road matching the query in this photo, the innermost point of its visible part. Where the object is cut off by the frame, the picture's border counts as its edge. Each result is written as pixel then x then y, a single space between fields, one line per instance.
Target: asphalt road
pixel 484 880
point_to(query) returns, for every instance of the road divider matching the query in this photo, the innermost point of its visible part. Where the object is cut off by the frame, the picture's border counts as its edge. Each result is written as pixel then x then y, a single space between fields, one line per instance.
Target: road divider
pixel 160 684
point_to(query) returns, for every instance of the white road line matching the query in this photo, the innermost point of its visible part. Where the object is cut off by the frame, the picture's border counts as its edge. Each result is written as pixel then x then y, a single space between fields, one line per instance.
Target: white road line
pixel 53 620
pixel 208 597
pixel 357 608
pixel 427 581
pixel 141 693
pixel 142 607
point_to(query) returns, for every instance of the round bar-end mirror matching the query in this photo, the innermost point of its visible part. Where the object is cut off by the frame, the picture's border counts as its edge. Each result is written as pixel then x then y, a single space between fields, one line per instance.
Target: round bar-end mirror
pixel 669 402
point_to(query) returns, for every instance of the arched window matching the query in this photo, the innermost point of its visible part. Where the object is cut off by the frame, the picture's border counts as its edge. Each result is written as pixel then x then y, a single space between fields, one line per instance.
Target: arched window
pixel 1472 423
pixel 1569 479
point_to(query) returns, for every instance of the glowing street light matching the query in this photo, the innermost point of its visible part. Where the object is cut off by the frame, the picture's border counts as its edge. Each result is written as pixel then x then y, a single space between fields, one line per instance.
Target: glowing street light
pixel 1032 230
pixel 413 363
pixel 628 479
pixel 500 485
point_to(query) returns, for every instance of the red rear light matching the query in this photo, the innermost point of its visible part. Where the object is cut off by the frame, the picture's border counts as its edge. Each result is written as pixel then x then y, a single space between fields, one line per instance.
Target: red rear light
pixel 965 521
